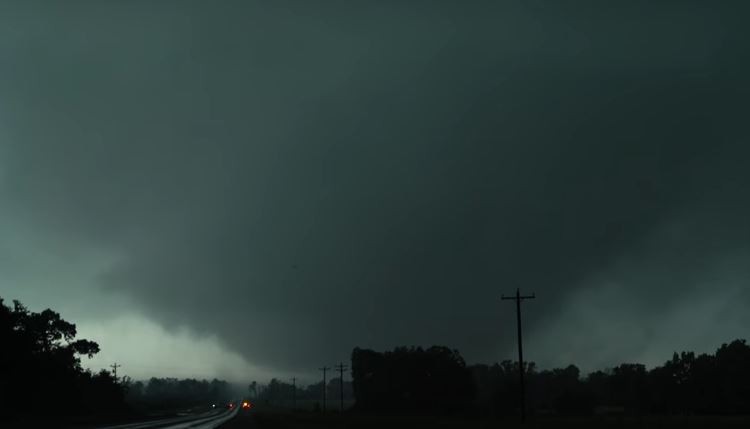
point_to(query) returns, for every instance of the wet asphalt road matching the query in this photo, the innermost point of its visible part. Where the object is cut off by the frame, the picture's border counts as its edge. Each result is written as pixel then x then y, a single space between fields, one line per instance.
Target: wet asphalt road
pixel 244 420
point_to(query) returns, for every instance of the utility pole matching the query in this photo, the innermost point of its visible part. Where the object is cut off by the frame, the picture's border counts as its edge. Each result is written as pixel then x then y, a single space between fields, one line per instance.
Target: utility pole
pixel 114 370
pixel 324 369
pixel 294 393
pixel 518 298
pixel 341 367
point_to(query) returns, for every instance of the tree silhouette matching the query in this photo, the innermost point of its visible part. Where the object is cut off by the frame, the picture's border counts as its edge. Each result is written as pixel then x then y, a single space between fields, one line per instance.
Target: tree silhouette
pixel 42 356
pixel 411 380
pixel 432 380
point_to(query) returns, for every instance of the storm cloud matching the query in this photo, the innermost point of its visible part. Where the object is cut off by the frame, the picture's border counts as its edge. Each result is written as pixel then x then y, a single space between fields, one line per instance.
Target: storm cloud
pixel 299 178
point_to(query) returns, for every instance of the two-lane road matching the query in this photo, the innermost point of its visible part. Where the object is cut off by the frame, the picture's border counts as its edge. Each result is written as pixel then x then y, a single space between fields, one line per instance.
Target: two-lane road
pixel 209 420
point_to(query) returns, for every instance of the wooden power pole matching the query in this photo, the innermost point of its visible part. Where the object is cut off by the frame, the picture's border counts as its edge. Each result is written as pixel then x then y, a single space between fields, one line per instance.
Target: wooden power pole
pixel 518 298
pixel 341 367
pixel 114 369
pixel 324 369
pixel 294 393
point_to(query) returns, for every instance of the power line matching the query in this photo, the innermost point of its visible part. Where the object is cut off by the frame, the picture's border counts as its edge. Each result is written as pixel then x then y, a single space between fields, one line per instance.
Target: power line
pixel 341 367
pixel 518 298
pixel 324 369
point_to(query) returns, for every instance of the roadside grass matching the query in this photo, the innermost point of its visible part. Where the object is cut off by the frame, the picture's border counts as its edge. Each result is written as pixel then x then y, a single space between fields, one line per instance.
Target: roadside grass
pixel 305 420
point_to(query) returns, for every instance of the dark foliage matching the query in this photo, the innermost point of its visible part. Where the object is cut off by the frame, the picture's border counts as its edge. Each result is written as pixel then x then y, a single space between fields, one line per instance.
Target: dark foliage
pixel 41 375
pixel 278 392
pixel 172 393
pixel 435 380
pixel 684 385
pixel 407 380
pixel 40 368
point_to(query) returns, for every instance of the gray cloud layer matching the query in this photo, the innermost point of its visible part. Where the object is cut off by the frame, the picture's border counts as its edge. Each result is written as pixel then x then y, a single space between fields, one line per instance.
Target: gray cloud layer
pixel 301 179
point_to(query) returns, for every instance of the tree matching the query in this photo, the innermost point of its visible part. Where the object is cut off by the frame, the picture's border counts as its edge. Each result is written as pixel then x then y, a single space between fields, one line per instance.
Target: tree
pixel 42 356
pixel 411 380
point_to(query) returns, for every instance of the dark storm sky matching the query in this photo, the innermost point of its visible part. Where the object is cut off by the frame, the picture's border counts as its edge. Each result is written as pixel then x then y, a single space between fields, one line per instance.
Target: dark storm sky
pixel 293 179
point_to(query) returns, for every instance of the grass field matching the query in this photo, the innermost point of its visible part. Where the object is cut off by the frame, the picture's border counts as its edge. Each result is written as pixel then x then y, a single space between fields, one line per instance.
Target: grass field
pixel 304 420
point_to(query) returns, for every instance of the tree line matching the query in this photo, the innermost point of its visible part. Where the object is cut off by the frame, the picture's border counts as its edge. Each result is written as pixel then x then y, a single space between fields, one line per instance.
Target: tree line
pixel 172 393
pixel 437 380
pixel 283 393
pixel 41 375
